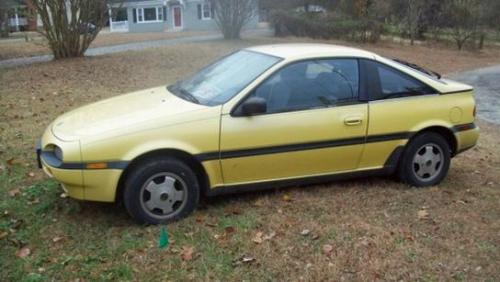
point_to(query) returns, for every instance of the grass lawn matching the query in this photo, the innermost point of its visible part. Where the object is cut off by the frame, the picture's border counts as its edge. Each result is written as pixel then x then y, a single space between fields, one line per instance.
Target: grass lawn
pixel 38 46
pixel 365 229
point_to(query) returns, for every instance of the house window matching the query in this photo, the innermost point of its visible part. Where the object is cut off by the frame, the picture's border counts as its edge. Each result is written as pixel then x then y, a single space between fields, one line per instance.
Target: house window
pixel 120 15
pixel 205 11
pixel 159 12
pixel 151 14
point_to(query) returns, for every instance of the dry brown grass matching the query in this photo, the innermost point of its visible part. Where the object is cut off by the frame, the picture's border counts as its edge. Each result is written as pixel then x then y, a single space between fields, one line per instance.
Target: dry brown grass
pixel 372 224
pixel 38 46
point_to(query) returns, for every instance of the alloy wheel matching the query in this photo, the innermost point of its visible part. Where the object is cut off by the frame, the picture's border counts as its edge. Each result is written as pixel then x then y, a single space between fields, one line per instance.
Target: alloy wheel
pixel 428 162
pixel 163 195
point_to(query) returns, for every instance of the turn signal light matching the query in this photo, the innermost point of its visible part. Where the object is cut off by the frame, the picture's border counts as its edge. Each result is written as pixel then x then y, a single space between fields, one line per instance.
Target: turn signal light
pixel 97 165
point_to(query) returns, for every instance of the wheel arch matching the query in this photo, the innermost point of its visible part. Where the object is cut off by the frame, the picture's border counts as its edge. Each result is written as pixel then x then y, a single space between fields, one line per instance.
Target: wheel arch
pixel 446 132
pixel 183 156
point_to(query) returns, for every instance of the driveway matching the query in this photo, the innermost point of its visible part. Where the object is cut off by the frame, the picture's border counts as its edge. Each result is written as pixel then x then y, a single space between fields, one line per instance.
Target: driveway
pixel 486 83
pixel 97 51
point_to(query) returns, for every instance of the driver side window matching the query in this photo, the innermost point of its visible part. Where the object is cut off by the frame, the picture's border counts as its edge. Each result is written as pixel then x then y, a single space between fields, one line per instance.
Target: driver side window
pixel 311 84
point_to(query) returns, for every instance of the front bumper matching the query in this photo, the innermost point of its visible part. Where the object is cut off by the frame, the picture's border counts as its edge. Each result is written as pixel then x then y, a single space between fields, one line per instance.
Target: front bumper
pixel 38 149
pixel 78 181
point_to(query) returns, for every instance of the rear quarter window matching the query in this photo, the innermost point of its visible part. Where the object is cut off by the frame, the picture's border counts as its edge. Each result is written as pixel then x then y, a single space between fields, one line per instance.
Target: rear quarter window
pixel 386 82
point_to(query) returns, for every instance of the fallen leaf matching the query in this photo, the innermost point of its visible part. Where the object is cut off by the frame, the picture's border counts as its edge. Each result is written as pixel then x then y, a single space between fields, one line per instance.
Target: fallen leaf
pixel 211 224
pixel 31 174
pixel 229 230
pixel 16 223
pixel 232 210
pixel 10 162
pixel 14 192
pixel 23 252
pixel 287 198
pixel 305 232
pixel 57 239
pixel 200 219
pixel 63 195
pixel 3 235
pixel 258 203
pixel 257 239
pixel 244 259
pixel 423 214
pixel 187 253
pixel 34 202
pixel 315 237
pixel 269 236
pixel 327 249
pixel 247 259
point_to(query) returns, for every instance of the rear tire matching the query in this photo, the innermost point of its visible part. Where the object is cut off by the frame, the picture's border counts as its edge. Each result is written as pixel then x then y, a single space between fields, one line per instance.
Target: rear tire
pixel 425 161
pixel 160 191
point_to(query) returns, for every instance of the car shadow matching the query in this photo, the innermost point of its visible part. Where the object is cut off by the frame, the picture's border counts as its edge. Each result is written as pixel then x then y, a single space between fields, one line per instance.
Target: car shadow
pixel 116 215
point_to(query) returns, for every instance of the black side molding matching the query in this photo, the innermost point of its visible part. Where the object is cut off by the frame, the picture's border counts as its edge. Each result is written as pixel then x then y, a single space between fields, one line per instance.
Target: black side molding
pixel 302 146
pixel 463 127
pixel 51 160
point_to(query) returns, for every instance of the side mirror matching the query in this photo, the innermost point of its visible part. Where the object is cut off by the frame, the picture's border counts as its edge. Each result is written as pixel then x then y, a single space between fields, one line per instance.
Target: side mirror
pixel 254 106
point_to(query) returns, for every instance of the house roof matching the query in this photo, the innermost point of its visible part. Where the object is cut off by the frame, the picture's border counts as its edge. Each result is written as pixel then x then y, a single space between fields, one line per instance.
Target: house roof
pixel 306 50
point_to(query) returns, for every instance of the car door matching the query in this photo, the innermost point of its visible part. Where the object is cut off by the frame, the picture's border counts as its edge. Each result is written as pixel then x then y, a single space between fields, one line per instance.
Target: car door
pixel 398 103
pixel 313 125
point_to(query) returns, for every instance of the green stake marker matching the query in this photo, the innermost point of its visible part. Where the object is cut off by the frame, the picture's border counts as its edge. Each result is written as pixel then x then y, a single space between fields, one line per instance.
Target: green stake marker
pixel 163 242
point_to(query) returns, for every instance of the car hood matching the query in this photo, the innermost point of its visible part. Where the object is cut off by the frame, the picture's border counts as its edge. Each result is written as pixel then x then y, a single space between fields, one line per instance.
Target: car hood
pixel 122 113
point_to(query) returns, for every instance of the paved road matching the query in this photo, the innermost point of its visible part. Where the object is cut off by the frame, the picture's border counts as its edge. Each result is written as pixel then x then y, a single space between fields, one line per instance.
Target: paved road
pixel 97 51
pixel 486 83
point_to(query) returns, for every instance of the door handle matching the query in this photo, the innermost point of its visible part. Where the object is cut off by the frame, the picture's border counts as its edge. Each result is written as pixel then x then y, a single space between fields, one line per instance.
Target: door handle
pixel 353 121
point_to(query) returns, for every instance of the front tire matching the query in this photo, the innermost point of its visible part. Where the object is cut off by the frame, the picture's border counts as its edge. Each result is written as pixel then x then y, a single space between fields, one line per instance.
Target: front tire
pixel 426 160
pixel 160 191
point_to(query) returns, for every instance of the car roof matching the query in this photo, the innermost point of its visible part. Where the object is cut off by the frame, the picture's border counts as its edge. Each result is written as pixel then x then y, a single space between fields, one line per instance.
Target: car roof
pixel 298 51
pixel 308 50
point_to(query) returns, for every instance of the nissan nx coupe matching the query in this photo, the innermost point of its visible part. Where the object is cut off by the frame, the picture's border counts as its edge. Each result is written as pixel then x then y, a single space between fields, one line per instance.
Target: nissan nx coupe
pixel 261 117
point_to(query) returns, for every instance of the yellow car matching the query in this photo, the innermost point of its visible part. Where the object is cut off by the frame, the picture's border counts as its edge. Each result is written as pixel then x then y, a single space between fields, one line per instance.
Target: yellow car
pixel 261 117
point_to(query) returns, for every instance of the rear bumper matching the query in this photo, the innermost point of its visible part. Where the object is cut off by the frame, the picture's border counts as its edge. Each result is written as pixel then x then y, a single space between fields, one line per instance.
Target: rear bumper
pixel 467 137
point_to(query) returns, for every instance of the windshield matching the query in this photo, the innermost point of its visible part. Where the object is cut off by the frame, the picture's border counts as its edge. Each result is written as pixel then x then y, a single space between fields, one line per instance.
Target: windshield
pixel 222 80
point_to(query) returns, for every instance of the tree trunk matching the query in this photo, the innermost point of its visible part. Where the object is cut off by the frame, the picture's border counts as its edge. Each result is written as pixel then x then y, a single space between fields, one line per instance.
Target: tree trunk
pixel 482 37
pixel 4 24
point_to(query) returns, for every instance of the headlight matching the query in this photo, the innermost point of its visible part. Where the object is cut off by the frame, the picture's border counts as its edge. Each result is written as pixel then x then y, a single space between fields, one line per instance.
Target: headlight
pixel 58 152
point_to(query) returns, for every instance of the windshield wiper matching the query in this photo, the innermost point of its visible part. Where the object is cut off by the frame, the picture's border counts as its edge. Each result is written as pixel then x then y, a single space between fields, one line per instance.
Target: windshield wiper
pixel 188 96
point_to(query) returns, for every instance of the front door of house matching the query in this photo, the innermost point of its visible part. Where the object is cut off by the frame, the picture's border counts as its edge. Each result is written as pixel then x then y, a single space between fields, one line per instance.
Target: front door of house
pixel 177 17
